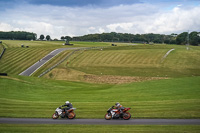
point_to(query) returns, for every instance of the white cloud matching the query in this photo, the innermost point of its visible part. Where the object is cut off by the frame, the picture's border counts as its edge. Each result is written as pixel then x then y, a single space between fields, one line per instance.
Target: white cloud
pixel 5 27
pixel 61 21
pixel 121 26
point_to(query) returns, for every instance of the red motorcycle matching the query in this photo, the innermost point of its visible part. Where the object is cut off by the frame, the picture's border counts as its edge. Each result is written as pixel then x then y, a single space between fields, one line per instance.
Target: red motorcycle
pixel 115 114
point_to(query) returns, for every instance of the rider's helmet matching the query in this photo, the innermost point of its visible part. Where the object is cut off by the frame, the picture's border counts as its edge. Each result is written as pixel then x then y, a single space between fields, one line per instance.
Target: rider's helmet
pixel 117 104
pixel 67 102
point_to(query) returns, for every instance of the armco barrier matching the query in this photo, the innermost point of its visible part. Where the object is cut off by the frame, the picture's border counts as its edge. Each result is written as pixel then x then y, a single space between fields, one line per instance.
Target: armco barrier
pixel 4 49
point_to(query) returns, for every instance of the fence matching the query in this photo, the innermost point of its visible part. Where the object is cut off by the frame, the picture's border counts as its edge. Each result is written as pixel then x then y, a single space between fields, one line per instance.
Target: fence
pixel 4 49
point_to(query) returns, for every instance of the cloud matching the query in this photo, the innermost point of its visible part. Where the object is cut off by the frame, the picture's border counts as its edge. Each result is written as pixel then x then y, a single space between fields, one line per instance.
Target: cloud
pixel 120 26
pixel 80 3
pixel 5 27
pixel 58 21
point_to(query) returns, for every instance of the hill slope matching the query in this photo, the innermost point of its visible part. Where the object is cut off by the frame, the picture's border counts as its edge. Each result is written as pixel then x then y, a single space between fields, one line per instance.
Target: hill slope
pixel 36 97
pixel 141 62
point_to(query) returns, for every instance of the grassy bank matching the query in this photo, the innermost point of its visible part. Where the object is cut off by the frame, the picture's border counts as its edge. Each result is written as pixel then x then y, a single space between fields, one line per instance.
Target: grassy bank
pixel 33 97
pixel 123 64
pixel 141 60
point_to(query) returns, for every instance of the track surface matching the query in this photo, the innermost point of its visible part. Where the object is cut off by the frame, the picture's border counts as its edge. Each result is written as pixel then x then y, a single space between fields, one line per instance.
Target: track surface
pixel 37 65
pixel 101 121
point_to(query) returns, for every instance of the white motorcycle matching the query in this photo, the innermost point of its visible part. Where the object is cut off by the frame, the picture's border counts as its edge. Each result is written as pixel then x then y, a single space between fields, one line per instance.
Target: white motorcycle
pixel 59 112
pixel 115 114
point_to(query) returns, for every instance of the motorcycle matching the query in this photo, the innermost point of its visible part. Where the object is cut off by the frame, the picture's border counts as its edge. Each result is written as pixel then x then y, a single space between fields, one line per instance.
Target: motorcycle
pixel 115 114
pixel 59 112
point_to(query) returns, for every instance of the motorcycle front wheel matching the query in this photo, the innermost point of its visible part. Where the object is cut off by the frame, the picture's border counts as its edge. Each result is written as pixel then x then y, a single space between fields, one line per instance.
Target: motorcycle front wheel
pixel 108 116
pixel 71 115
pixel 55 116
pixel 126 116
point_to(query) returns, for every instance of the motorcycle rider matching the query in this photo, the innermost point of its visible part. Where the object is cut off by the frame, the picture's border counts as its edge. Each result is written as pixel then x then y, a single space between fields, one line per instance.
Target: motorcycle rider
pixel 119 107
pixel 67 106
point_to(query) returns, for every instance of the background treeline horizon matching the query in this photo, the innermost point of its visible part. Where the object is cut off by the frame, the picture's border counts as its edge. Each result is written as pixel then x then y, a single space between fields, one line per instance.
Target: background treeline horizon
pixel 193 38
pixel 18 35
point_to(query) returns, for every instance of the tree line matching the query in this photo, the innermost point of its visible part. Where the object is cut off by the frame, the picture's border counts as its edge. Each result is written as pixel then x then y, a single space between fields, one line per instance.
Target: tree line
pixel 192 38
pixel 18 35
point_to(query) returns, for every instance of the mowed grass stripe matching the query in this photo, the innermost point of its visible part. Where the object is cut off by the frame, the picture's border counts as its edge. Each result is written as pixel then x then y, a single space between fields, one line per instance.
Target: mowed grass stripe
pixel 1 48
pixel 128 58
pixel 18 56
pixel 26 60
pixel 11 52
pixel 119 58
pixel 110 57
pixel 33 58
pixel 8 64
pixel 83 59
pixel 100 59
pixel 20 60
pixel 14 53
pixel 152 56
pixel 138 61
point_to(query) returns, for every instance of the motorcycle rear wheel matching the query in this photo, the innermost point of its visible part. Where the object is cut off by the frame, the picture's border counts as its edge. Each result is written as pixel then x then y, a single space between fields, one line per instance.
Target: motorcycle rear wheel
pixel 108 116
pixel 71 115
pixel 55 116
pixel 126 116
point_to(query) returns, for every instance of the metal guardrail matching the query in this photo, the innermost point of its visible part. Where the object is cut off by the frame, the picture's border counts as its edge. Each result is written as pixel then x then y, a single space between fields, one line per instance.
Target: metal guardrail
pixel 48 70
pixel 4 49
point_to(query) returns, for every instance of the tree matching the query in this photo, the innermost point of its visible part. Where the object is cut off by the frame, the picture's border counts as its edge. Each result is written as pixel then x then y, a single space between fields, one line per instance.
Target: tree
pixel 41 37
pixel 68 38
pixel 194 38
pixel 48 37
pixel 62 38
pixel 181 39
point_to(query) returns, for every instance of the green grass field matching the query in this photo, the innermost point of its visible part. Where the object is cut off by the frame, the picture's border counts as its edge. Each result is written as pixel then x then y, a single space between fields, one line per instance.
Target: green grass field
pixel 33 97
pixel 124 62
pixel 142 61
pixel 97 128
pixel 1 48
pixel 174 94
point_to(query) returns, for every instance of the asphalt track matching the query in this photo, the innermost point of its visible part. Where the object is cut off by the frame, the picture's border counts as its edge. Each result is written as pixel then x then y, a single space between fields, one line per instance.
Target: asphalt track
pixel 100 121
pixel 37 65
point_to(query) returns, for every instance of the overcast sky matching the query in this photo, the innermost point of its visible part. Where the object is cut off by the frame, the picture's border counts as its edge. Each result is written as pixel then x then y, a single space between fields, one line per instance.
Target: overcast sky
pixel 80 17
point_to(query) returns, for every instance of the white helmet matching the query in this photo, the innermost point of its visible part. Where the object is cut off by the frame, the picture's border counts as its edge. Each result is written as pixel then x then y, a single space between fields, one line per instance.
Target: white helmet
pixel 66 102
pixel 117 104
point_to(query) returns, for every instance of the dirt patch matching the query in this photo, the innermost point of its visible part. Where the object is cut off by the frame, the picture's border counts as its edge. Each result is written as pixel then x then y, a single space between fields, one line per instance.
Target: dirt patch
pixel 109 79
pixel 73 75
pixel 65 74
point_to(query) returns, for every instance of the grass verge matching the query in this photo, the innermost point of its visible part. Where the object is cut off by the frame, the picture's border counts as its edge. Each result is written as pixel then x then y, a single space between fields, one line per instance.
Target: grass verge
pixel 7 128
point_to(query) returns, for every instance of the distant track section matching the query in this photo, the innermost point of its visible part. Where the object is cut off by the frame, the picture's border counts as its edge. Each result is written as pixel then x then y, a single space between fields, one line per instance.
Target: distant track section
pixel 40 63
pixel 166 54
